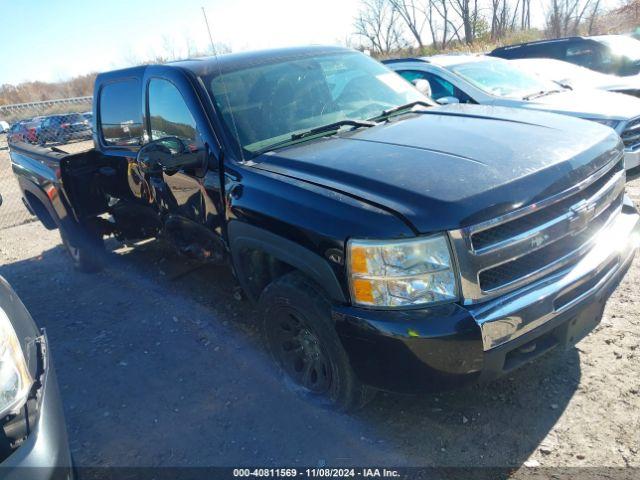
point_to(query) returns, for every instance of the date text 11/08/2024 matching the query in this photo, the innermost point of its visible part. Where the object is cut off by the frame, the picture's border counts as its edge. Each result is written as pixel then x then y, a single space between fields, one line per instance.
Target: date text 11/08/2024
pixel 317 472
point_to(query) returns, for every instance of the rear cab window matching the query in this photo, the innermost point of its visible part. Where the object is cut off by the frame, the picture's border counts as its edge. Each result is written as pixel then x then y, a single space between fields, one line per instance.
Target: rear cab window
pixel 120 113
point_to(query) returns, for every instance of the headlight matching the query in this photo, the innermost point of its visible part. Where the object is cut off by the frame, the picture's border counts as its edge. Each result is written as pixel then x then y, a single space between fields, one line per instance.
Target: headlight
pixel 15 379
pixel 401 273
pixel 609 123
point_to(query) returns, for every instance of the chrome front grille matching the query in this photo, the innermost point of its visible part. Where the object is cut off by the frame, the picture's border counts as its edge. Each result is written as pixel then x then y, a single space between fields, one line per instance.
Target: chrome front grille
pixel 508 252
pixel 631 134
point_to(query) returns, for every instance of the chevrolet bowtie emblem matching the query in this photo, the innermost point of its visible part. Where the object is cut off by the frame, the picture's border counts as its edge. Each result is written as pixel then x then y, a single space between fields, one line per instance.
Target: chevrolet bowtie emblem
pixel 580 216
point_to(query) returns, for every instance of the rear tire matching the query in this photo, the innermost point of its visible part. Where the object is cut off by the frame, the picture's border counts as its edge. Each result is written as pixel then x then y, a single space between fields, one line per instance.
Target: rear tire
pixel 87 254
pixel 303 342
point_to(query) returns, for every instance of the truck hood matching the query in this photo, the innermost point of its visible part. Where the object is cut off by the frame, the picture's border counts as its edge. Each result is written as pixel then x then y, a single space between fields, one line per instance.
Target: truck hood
pixel 449 167
pixel 585 103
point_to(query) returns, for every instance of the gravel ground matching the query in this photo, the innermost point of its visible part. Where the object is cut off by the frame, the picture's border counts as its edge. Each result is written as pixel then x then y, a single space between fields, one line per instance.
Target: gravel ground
pixel 160 366
pixel 12 212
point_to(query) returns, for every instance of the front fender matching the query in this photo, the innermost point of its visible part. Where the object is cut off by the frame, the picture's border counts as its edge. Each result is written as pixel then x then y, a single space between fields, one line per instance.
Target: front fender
pixel 243 236
pixel 301 224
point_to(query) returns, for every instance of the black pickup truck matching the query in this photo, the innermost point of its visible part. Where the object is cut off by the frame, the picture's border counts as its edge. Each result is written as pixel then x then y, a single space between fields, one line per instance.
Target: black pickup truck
pixel 391 243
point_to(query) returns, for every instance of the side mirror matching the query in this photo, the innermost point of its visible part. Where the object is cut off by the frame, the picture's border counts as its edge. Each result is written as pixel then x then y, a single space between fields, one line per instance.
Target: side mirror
pixel 448 100
pixel 169 154
pixel 423 86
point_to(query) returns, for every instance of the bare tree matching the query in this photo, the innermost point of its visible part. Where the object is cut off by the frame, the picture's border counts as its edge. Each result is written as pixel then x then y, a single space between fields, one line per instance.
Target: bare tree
pixel 499 18
pixel 565 17
pixel 414 16
pixel 449 29
pixel 592 18
pixel 625 18
pixel 467 11
pixel 377 22
pixel 525 15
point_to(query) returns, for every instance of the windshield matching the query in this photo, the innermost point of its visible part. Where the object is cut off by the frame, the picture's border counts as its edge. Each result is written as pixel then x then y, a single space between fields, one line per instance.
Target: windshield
pixel 264 105
pixel 500 78
pixel 560 71
pixel 623 46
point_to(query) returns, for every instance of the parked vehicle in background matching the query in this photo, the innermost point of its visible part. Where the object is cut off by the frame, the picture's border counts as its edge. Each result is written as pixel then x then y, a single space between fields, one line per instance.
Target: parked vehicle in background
pixel 389 242
pixel 24 131
pixel 63 128
pixel 494 81
pixel 613 54
pixel 33 443
pixel 4 126
pixel 573 76
pixel 13 135
pixel 88 116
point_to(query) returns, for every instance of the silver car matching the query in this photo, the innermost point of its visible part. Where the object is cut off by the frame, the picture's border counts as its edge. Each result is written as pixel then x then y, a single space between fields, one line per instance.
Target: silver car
pixel 494 81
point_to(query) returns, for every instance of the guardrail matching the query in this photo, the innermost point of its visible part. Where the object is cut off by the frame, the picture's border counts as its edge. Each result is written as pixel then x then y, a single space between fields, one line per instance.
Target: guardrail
pixel 43 105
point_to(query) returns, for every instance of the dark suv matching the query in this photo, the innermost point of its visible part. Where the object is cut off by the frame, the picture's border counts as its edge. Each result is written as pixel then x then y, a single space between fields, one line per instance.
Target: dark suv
pixel 614 54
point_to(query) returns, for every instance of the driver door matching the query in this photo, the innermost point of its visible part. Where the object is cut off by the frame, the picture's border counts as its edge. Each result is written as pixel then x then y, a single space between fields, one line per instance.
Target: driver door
pixel 178 192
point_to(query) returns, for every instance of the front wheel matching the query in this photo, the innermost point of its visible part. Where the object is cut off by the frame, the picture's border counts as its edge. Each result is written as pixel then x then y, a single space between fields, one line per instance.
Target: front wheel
pixel 303 341
pixel 86 253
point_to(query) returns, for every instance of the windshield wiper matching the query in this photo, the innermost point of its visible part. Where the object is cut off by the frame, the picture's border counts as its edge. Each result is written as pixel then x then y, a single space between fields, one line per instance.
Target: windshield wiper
pixel 387 113
pixel 332 127
pixel 540 94
pixel 323 129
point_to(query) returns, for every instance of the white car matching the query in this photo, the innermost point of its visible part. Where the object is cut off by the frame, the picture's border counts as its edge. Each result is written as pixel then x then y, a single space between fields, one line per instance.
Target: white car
pixel 493 81
pixel 575 76
pixel 4 126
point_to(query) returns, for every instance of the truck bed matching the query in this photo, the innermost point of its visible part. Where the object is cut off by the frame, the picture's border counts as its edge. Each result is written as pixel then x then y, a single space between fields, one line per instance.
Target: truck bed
pixel 61 181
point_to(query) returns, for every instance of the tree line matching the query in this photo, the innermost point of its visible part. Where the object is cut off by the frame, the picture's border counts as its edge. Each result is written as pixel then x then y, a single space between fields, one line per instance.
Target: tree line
pixel 27 92
pixel 404 26
pixel 386 26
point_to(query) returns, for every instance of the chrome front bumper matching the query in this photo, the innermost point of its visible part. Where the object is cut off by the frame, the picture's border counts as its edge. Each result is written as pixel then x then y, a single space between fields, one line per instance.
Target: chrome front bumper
pixel 510 316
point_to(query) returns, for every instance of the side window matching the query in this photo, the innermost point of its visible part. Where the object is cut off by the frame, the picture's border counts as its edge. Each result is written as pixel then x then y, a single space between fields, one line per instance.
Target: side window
pixel 583 54
pixel 439 86
pixel 169 115
pixel 121 113
pixel 544 50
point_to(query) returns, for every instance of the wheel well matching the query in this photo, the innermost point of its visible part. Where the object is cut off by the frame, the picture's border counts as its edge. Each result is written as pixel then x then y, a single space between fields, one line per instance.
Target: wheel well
pixel 40 211
pixel 261 269
pixel 260 256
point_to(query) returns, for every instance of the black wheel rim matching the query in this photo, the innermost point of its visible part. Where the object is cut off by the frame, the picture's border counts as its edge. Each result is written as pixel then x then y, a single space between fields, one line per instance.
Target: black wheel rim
pixel 299 351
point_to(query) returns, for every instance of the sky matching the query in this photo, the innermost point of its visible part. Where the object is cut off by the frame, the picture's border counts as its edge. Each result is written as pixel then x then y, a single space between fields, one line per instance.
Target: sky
pixel 58 39
pixel 54 40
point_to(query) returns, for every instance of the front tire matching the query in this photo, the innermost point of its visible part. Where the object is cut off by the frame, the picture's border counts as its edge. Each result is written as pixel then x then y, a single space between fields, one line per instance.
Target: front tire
pixel 303 341
pixel 86 253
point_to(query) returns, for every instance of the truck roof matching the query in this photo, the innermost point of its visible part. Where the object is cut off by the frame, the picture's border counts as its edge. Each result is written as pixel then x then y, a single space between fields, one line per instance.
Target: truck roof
pixel 229 62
